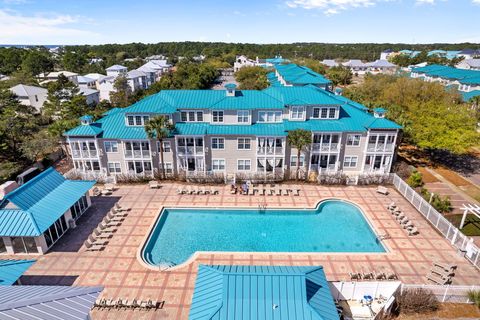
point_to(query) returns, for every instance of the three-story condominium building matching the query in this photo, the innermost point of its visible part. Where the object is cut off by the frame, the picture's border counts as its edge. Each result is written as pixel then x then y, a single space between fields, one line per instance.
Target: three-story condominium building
pixel 238 131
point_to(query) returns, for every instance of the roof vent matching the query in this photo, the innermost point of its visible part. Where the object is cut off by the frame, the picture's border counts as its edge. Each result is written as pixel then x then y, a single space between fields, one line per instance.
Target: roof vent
pixel 379 112
pixel 338 91
pixel 231 89
pixel 86 120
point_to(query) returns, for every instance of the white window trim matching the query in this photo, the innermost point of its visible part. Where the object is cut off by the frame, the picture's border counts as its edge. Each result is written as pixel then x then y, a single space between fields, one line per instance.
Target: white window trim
pixel 274 117
pixel 297 162
pixel 353 145
pixel 114 163
pixel 224 165
pixel 244 170
pixel 238 149
pixel 135 121
pixel 164 142
pixel 211 143
pixel 249 117
pixel 351 157
pixel 105 146
pixel 195 116
pixel 223 116
pixel 297 119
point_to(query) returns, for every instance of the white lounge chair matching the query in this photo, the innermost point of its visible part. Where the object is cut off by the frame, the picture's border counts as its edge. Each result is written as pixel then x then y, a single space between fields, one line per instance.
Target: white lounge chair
pixel 438 279
pixel 120 208
pixel 109 186
pixel 153 184
pixel 100 235
pixel 92 240
pixel 96 192
pixel 412 231
pixel 213 191
pixel 444 266
pixel 93 246
pixel 382 190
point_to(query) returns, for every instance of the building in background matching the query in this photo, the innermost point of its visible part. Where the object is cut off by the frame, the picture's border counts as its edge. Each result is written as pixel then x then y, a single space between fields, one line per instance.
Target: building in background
pixel 30 95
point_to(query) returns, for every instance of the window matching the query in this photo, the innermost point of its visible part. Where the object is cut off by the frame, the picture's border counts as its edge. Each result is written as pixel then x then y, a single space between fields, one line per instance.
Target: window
pixel 137 120
pixel 316 113
pixel 331 113
pixel 114 167
pixel 217 116
pixel 139 166
pixel 244 165
pixel 353 140
pixel 24 245
pixel 269 116
pixel 218 143
pixel 166 146
pixel 36 98
pixel 350 161
pixel 296 113
pixel 168 167
pixel 243 144
pixel 111 146
pixel 243 116
pixel 293 161
pixel 218 164
pixel 191 116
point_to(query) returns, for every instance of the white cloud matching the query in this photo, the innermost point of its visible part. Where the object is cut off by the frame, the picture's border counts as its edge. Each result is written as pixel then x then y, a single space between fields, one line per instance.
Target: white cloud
pixel 424 1
pixel 331 7
pixel 476 1
pixel 15 1
pixel 41 29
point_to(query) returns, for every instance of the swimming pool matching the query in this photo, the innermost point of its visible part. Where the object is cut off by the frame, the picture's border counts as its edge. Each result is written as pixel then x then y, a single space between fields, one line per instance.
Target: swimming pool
pixel 334 226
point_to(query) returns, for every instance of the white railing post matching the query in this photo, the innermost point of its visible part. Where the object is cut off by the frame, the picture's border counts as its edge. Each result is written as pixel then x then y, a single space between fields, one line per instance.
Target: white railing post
pixel 445 294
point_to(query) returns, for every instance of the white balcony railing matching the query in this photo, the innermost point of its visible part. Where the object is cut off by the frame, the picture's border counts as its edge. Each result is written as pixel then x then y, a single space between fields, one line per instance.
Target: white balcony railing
pixel 269 151
pixel 382 147
pixel 325 147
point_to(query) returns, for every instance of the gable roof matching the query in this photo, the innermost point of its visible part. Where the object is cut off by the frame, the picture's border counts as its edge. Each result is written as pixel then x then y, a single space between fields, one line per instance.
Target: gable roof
pixel 354 63
pixel 22 90
pixel 116 67
pixel 381 64
pixel 39 203
pixel 262 292
pixel 12 270
pixel 47 302
pixel 300 75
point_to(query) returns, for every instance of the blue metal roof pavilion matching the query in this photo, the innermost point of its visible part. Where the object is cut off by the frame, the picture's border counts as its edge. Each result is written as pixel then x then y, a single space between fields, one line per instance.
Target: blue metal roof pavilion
pixel 12 270
pixel 33 207
pixel 262 292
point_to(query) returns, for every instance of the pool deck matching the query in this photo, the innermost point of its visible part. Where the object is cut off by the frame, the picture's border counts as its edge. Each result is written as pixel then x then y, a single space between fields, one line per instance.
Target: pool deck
pixel 118 269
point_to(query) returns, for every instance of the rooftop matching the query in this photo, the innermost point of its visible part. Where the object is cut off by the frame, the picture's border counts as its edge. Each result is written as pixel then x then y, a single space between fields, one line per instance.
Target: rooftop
pixel 262 292
pixel 22 90
pixel 12 270
pixel 464 76
pixel 300 75
pixel 33 207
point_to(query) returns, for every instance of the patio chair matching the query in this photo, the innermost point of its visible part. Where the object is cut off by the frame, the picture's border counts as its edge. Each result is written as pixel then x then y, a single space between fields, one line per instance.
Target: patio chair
pixel 202 191
pixel 355 276
pixel 101 303
pixel 382 190
pixel 109 186
pixel 392 205
pixel 92 240
pixel 408 224
pixel 445 267
pixel 368 276
pixel 380 276
pixel 180 191
pixel 119 214
pixel 106 229
pixel 296 192
pixel 250 191
pixel 92 246
pixel 113 217
pixel 404 221
pixel 106 192
pixel 105 226
pixel 151 304
pixel 118 207
pixel 98 234
pixel 135 304
pixel 143 303
pixel 153 184
pixel 400 216
pixel 96 192
pixel 443 273
pixel 110 303
pixel 392 276
pixel 438 279
pixel 278 191
pixel 213 191
pixel 412 231
pixel 119 303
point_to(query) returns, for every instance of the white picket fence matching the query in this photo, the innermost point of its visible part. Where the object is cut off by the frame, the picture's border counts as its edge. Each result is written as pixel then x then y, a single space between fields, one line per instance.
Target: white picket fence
pixel 445 227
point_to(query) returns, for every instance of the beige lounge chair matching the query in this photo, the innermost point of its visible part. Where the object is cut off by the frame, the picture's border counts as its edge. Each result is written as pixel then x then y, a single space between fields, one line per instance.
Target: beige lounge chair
pixel 100 235
pixel 114 217
pixel 438 279
pixel 105 227
pixel 96 192
pixel 445 267
pixel 296 192
pixel 106 192
pixel 153 184
pixel 92 240
pixel 109 186
pixel 92 246
pixel 392 205
pixel 118 207
pixel 408 224
pixel 382 190
pixel 400 216
pixel 412 231
pixel 111 223
pixel 213 191
pixel 278 191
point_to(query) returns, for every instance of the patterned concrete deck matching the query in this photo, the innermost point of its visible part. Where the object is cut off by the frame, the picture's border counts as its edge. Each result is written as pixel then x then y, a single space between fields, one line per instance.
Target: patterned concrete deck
pixel 122 275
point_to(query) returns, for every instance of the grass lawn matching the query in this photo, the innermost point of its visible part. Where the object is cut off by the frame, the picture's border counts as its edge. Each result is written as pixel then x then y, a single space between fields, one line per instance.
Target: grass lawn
pixel 472 224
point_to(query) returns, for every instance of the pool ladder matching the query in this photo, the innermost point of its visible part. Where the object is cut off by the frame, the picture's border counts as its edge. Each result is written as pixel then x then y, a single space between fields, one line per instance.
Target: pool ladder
pixel 262 207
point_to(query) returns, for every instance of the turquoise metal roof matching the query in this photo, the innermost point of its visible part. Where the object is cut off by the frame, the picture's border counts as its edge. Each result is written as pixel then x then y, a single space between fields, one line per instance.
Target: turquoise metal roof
pixel 300 75
pixel 262 292
pixel 85 130
pixel 462 75
pixel 256 129
pixel 306 95
pixel 39 203
pixel 467 96
pixel 12 270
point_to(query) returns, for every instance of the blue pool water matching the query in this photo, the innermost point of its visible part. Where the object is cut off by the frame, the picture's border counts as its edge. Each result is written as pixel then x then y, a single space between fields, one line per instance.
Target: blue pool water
pixel 335 226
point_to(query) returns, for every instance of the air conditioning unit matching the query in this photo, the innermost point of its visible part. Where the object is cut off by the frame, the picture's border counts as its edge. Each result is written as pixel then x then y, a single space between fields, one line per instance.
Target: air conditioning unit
pixel 72 224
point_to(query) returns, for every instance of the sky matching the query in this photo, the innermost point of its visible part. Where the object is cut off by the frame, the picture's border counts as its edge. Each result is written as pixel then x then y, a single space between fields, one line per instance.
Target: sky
pixel 248 21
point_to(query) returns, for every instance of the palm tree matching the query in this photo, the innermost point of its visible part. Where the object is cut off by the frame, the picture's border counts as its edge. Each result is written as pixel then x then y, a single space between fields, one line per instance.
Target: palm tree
pixel 300 139
pixel 159 128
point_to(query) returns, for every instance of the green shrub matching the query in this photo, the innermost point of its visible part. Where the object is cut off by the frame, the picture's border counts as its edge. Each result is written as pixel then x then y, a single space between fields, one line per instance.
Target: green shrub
pixel 415 179
pixel 474 296
pixel 417 300
pixel 442 205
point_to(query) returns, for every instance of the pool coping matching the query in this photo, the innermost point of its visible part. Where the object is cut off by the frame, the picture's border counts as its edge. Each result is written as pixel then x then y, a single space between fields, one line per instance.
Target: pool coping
pixel 196 254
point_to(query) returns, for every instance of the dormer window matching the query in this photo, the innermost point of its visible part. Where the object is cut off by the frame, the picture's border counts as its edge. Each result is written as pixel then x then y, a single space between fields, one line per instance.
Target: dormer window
pixel 296 113
pixel 325 113
pixel 137 120
pixel 191 116
pixel 379 113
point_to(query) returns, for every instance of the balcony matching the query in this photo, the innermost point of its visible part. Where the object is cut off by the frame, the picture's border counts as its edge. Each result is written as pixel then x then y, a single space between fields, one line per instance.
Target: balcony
pixel 137 154
pixel 380 147
pixel 86 154
pixel 325 147
pixel 190 150
pixel 270 151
